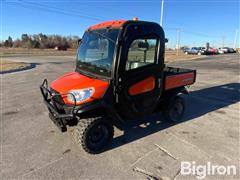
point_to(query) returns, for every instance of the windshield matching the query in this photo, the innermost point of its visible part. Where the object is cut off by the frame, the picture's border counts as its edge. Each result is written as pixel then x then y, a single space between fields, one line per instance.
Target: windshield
pixel 95 53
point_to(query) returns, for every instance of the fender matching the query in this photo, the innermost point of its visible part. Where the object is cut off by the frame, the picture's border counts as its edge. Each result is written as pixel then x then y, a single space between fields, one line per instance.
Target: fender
pixel 169 96
pixel 173 93
pixel 184 91
pixel 100 107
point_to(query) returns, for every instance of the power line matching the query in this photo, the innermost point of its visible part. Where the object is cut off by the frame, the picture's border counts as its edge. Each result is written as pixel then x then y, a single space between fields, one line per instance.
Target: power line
pixel 63 10
pixel 29 6
pixel 45 8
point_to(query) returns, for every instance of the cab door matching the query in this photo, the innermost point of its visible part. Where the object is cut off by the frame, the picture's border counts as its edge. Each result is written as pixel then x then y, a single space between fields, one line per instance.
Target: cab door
pixel 139 74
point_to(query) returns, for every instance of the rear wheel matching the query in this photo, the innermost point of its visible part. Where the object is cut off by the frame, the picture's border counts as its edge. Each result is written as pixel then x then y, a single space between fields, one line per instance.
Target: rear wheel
pixel 175 110
pixel 93 134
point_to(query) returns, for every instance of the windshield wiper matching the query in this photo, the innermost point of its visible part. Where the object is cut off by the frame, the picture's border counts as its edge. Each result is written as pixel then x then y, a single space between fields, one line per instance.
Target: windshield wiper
pixel 85 73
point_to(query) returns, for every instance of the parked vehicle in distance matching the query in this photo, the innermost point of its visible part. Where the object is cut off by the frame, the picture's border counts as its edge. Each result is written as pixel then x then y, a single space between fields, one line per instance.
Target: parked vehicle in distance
pixel 213 50
pixel 205 51
pixel 209 51
pixel 202 51
pixel 220 51
pixel 224 49
pixel 227 50
pixel 193 50
pixel 185 50
pixel 231 50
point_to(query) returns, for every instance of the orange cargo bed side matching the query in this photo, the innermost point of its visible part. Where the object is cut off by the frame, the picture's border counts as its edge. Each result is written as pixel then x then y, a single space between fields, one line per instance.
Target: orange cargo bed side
pixel 179 80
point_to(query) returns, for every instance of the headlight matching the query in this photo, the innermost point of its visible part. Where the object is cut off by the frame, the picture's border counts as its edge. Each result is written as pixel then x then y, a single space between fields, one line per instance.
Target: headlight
pixel 80 94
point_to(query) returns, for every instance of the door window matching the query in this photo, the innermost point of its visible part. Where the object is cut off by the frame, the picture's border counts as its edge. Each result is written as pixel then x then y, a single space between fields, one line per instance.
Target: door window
pixel 142 52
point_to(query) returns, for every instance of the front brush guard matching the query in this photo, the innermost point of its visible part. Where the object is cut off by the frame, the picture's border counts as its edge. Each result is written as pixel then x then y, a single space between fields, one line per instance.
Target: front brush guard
pixel 58 116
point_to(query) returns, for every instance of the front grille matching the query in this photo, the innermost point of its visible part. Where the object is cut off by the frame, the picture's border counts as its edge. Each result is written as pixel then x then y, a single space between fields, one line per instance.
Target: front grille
pixel 57 98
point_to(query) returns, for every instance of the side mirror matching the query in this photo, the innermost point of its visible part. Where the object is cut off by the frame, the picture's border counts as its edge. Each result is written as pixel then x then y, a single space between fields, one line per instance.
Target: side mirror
pixel 79 41
pixel 166 40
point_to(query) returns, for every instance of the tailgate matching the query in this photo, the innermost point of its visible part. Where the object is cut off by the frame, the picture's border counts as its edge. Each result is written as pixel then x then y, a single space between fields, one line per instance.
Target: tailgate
pixel 179 79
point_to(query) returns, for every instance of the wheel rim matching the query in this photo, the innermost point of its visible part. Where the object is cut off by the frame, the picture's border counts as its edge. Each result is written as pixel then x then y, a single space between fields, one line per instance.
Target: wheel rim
pixel 176 111
pixel 97 136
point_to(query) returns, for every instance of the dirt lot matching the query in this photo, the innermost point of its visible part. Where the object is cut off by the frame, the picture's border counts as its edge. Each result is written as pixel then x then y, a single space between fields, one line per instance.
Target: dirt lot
pixel 32 147
pixel 171 55
pixel 15 52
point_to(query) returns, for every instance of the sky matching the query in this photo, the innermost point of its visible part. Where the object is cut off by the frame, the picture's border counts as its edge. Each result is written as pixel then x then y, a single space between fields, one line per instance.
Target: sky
pixel 199 21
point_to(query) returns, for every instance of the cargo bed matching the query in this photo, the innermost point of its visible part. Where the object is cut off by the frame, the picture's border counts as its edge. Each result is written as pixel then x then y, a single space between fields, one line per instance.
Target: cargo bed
pixel 178 77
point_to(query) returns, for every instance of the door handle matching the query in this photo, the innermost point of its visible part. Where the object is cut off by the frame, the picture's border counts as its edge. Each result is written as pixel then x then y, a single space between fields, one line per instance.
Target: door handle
pixel 159 82
pixel 119 88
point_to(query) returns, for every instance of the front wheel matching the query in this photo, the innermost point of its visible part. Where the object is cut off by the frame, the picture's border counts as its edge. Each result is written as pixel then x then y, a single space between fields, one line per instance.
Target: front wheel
pixel 175 110
pixel 93 134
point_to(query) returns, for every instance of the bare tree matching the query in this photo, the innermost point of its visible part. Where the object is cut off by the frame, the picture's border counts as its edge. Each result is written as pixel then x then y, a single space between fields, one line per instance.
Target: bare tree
pixel 42 41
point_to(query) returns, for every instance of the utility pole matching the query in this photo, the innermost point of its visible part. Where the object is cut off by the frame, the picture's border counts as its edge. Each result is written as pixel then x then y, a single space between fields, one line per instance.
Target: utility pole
pixel 235 40
pixel 223 40
pixel 178 40
pixel 212 43
pixel 161 20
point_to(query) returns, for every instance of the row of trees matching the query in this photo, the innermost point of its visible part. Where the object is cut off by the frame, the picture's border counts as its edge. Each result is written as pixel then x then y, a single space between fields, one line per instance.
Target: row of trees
pixel 41 41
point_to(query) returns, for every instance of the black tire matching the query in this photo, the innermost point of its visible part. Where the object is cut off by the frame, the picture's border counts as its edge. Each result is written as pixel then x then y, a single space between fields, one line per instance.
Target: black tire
pixel 93 134
pixel 175 110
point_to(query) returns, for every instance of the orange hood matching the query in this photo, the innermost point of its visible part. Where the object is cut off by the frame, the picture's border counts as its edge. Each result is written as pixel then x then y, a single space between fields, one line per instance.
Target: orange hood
pixel 75 80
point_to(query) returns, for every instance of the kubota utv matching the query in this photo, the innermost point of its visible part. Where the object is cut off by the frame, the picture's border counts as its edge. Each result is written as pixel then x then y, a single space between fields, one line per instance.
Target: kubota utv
pixel 120 75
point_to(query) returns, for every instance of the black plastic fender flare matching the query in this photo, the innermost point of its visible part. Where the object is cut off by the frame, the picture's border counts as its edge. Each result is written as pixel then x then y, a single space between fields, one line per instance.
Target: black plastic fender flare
pixel 170 96
pixel 116 119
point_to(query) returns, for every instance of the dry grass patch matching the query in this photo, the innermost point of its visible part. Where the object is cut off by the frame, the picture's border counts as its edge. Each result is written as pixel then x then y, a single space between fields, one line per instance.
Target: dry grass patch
pixel 7 52
pixel 171 56
pixel 10 65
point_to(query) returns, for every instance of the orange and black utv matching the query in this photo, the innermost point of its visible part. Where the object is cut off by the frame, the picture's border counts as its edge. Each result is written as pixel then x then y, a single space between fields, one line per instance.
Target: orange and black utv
pixel 120 75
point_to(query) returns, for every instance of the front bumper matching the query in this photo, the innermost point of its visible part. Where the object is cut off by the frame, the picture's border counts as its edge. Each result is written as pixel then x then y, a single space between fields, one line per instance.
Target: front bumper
pixel 58 112
pixel 63 115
